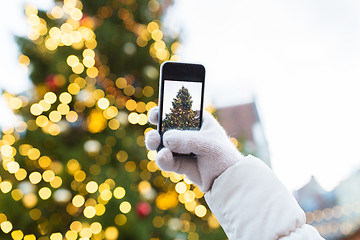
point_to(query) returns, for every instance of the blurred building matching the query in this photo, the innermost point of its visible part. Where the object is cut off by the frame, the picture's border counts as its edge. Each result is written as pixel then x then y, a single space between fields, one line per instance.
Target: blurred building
pixel 335 214
pixel 242 122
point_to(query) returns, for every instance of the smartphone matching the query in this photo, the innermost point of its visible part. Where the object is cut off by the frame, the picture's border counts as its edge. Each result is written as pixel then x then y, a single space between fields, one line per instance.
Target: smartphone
pixel 181 97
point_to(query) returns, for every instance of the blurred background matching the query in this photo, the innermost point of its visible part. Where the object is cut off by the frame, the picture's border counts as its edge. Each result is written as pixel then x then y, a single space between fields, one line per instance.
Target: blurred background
pixel 282 78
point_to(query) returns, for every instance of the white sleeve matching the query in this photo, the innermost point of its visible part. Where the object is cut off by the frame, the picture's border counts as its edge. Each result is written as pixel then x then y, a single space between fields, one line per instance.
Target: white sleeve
pixel 251 203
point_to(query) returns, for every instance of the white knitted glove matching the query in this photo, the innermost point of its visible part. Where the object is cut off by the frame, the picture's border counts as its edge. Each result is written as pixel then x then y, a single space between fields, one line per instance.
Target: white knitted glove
pixel 213 149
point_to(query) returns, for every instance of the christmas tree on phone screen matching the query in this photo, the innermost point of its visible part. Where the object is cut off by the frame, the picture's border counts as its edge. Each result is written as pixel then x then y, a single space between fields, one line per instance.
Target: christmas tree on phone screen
pixel 181 115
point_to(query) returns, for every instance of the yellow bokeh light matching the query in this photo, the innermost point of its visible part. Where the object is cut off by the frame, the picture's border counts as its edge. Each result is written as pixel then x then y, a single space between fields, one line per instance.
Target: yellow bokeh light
pixel 35 214
pixel 111 233
pixel 55 116
pixel 159 45
pixel 189 196
pixel 142 119
pixel 88 53
pixel 151 155
pixel 129 90
pixel 42 121
pixel 200 211
pixel 17 194
pixel 114 124
pixel 29 200
pixel 48 175
pixel 45 105
pixel 100 209
pixel 162 54
pixel 76 14
pixel 21 174
pixel 79 175
pixel 51 44
pixel 76 36
pixel 34 20
pixel 130 166
pixel 103 103
pixel 17 235
pixel 95 227
pixel 66 28
pixel 92 72
pixel 133 118
pixel 180 187
pixel 33 153
pixel 106 195
pixel 36 109
pixel 73 88
pixel 150 105
pixel 152 26
pixel 55 33
pixel 5 186
pixel 141 107
pixel 65 97
pixel 76 226
pixel 45 193
pixel 148 91
pixel 30 9
pixel 56 236
pixel 89 62
pixel 119 192
pixel 110 112
pixel 89 212
pixel 44 161
pixel 13 167
pixel 78 201
pixel 54 129
pixel 15 103
pixel 131 105
pixel 50 97
pixel 91 187
pixel 78 68
pixel 6 226
pixel 63 109
pixel 98 93
pixel 157 35
pixel 120 219
pixel 35 177
pixel 6 150
pixel 121 83
pixel 10 139
pixel 56 182
pixel 30 237
pixel 57 12
pixel 85 233
pixel 70 235
pixel 71 116
pixel 125 207
pixel 72 60
pixel 24 60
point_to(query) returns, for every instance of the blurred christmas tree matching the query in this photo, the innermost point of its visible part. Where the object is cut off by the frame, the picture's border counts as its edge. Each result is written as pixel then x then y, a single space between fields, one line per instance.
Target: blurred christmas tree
pixel 181 115
pixel 74 166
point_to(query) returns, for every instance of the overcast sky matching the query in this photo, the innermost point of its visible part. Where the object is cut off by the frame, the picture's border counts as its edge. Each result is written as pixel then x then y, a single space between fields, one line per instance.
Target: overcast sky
pixel 299 59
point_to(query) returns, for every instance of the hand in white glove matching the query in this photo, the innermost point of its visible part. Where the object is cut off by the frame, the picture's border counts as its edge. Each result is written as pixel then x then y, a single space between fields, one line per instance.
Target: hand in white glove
pixel 213 149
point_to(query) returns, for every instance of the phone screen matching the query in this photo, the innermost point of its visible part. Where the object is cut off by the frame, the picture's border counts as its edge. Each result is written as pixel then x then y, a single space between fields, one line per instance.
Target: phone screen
pixel 182 104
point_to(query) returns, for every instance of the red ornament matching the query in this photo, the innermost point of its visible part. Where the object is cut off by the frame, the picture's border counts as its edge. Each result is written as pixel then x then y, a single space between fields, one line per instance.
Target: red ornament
pixel 143 209
pixel 51 83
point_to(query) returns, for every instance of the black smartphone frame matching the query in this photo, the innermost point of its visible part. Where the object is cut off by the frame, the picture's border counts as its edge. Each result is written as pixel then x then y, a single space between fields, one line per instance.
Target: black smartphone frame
pixel 179 71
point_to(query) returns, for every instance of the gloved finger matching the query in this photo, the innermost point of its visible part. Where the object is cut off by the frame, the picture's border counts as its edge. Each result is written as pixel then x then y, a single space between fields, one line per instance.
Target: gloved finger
pixel 181 165
pixel 165 160
pixel 185 142
pixel 153 115
pixel 152 140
